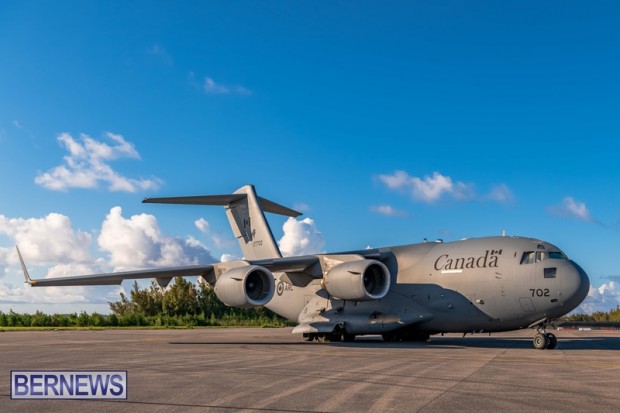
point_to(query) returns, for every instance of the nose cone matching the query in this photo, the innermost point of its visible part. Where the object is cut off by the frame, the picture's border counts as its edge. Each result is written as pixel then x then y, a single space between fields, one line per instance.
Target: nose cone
pixel 576 285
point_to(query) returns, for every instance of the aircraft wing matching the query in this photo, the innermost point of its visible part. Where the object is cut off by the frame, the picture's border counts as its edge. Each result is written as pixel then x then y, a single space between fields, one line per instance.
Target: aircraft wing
pixel 164 275
pixel 115 278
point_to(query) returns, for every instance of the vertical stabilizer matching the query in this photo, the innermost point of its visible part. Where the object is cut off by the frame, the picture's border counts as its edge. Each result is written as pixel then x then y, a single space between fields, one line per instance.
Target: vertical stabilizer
pixel 250 227
pixel 244 210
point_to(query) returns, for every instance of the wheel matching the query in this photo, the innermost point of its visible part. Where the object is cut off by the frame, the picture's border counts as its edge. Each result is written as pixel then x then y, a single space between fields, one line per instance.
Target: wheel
pixel 308 337
pixel 540 341
pixel 389 337
pixel 321 338
pixel 347 338
pixel 552 341
pixel 416 336
pixel 334 337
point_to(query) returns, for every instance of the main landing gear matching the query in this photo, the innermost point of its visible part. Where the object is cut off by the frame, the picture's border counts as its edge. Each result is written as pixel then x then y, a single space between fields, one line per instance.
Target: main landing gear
pixel 543 340
pixel 406 336
pixel 329 337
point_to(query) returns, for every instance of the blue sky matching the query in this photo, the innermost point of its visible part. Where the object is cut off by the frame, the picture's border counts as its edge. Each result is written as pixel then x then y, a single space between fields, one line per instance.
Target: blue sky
pixel 385 124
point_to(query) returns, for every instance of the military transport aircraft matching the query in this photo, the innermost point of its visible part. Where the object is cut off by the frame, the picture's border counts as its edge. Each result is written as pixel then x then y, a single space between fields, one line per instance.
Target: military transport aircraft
pixel 404 293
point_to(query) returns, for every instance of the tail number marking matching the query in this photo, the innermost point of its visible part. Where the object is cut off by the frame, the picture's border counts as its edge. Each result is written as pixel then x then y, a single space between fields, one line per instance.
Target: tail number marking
pixel 539 292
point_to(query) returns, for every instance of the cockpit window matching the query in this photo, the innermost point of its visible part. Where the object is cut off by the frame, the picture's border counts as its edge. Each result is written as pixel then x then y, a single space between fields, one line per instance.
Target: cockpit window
pixel 528 257
pixel 557 255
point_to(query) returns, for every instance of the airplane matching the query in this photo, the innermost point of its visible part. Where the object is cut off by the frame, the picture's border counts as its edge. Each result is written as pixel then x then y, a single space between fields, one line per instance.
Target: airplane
pixel 403 293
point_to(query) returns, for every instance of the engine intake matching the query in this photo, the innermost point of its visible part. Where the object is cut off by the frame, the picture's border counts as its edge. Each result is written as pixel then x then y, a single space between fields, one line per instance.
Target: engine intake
pixel 361 280
pixel 245 287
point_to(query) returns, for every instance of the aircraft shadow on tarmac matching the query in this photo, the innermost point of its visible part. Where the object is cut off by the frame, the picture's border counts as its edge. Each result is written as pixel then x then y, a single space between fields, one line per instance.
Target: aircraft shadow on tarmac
pixel 582 343
pixel 590 343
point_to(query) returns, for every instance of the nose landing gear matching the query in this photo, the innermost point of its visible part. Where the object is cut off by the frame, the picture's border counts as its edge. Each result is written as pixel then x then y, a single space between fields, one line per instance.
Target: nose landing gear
pixel 543 340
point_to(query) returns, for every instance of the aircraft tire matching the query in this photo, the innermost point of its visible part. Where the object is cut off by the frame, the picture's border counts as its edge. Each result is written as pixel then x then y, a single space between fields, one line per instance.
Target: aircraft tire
pixel 347 338
pixel 309 336
pixel 552 341
pixel 328 337
pixel 417 337
pixel 391 337
pixel 540 341
pixel 334 337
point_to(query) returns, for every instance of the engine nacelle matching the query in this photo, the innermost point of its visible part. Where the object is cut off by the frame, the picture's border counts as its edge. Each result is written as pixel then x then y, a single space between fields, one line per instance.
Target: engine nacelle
pixel 361 280
pixel 245 287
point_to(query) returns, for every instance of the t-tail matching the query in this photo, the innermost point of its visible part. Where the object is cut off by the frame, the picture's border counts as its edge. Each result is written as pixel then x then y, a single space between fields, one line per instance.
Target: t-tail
pixel 244 210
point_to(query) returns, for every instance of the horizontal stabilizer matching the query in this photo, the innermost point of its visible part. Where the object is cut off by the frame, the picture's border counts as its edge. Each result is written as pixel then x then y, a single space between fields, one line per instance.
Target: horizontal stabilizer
pixel 197 200
pixel 270 206
pixel 224 200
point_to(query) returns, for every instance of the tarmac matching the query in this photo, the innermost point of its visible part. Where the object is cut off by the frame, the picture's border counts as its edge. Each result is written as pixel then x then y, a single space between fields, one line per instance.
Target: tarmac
pixel 253 369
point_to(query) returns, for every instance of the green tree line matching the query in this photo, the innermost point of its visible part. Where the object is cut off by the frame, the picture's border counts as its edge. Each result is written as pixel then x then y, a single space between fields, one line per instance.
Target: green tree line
pixel 183 304
pixel 612 316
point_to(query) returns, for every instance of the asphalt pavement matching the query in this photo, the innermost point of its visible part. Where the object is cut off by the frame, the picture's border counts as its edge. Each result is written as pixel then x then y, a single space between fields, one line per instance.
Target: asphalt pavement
pixel 253 369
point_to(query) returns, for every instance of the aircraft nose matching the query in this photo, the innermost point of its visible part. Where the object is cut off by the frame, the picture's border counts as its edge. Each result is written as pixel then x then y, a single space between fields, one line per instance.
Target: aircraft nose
pixel 576 285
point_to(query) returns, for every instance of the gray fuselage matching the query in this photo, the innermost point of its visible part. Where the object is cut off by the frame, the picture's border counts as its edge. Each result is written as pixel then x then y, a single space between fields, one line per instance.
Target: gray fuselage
pixel 472 285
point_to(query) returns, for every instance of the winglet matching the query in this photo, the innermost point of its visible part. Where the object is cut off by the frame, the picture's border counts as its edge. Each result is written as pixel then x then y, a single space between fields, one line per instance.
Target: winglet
pixel 24 269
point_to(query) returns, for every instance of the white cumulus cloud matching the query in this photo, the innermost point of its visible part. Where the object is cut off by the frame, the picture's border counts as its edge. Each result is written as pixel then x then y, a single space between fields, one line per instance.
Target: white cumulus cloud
pixel 428 189
pixel 387 210
pixel 228 258
pixel 501 193
pixel 570 208
pixel 23 294
pixel 137 242
pixel 87 165
pixel 604 298
pixel 210 86
pixel 300 238
pixel 50 239
pixel 51 247
pixel 202 225
pixel 44 240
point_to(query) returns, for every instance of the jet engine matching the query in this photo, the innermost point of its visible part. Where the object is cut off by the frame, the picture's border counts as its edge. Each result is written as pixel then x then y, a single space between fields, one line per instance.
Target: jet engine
pixel 361 280
pixel 245 287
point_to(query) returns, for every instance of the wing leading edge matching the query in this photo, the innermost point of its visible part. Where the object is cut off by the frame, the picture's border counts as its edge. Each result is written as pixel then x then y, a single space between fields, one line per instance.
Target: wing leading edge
pixel 209 272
